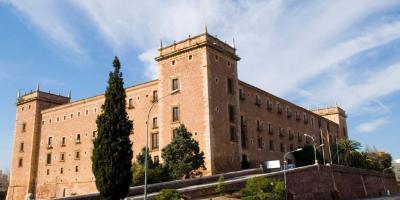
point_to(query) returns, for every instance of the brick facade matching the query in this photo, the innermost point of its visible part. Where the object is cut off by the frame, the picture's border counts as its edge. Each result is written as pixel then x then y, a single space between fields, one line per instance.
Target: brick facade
pixel 199 86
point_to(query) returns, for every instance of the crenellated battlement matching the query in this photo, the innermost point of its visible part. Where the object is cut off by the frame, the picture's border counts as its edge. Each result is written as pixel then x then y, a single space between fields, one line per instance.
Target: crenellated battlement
pixel 191 43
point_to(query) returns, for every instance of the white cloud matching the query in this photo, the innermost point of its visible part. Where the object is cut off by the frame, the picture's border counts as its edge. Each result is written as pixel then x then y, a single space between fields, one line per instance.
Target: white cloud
pixel 371 126
pixel 47 16
pixel 283 44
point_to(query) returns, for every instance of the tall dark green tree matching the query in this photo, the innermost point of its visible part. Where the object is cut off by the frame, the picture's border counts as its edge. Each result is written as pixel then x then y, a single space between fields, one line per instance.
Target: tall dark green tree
pixel 182 156
pixel 112 152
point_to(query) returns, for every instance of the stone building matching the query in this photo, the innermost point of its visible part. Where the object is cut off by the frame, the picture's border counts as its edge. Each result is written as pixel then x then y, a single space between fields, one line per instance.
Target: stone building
pixel 396 170
pixel 199 86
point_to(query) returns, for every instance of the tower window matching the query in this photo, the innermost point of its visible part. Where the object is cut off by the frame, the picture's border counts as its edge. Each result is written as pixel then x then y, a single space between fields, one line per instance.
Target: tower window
pixel 48 159
pixel 21 147
pixel 233 135
pixel 63 141
pixel 154 141
pixel 155 122
pixel 20 162
pixel 61 170
pixel 231 109
pixel 230 86
pixel 155 96
pixel 175 84
pixel 77 155
pixel 50 142
pixel 48 171
pixel 175 114
pixel 78 139
pixel 173 62
pixel 62 157
pixel 190 57
pixel 76 168
pixel 24 127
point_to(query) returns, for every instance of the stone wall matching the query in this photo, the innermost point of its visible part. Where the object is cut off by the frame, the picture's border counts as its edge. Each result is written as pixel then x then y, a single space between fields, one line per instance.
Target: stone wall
pixel 310 182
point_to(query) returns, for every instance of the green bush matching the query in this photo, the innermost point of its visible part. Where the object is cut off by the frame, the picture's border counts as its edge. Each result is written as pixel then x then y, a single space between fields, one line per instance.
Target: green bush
pixel 168 194
pixel 157 174
pixel 260 188
pixel 220 185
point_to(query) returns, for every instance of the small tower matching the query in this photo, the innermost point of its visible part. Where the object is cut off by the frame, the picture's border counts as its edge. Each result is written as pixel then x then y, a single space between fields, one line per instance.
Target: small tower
pixel 26 140
pixel 335 114
pixel 201 67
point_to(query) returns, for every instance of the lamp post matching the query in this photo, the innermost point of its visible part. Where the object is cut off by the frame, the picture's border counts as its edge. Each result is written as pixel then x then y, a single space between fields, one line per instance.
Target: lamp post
pixel 147 139
pixel 284 167
pixel 315 151
pixel 383 182
pixel 323 154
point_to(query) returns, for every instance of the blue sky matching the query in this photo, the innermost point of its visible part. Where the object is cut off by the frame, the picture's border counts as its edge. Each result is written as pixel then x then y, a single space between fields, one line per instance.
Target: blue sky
pixel 314 53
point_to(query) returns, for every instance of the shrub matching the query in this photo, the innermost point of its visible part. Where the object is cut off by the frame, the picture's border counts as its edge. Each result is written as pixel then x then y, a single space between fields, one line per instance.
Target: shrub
pixel 260 188
pixel 168 194
pixel 220 185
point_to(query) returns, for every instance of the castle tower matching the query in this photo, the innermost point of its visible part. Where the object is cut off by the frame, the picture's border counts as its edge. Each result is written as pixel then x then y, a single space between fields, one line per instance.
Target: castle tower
pixel 203 71
pixel 26 140
pixel 335 114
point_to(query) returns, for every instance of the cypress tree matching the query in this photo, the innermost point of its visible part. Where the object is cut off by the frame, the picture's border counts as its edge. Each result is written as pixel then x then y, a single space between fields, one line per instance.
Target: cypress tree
pixel 183 156
pixel 112 152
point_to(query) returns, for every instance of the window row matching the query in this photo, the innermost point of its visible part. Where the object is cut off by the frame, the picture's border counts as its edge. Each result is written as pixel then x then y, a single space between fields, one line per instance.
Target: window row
pixel 62 158
pixel 62 170
pixel 153 99
pixel 63 140
pixel 70 116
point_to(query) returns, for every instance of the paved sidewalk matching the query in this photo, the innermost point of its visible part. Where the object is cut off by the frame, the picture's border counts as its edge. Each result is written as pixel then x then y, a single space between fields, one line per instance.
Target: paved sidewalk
pixel 392 197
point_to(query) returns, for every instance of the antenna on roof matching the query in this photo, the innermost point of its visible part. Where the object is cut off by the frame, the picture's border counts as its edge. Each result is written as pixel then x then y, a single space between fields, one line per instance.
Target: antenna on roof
pixel 205 28
pixel 160 43
pixel 37 86
pixel 19 93
pixel 233 43
pixel 69 94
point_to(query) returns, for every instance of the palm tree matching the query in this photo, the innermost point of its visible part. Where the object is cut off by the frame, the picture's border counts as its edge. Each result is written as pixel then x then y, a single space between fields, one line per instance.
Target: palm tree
pixel 347 147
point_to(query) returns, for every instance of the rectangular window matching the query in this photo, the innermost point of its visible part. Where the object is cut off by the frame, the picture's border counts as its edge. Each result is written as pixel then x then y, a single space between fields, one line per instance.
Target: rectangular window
pixel 174 132
pixel 242 94
pixel 269 105
pixel 155 96
pixel 258 100
pixel 48 159
pixel 279 108
pixel 230 86
pixel 175 114
pixel 62 157
pixel 259 126
pixel 48 171
pixel 270 129
pixel 232 113
pixel 76 169
pixel 271 145
pixel 260 142
pixel 77 155
pixel 175 84
pixel 232 132
pixel 78 139
pixel 130 103
pixel 154 141
pixel 20 162
pixel 23 127
pixel 94 133
pixel 156 159
pixel 61 170
pixel 21 147
pixel 50 142
pixel 63 141
pixel 155 122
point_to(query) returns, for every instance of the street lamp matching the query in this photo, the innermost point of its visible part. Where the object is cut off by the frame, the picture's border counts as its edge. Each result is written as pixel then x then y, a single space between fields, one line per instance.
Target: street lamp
pixel 315 151
pixel 284 167
pixel 323 151
pixel 383 182
pixel 147 139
